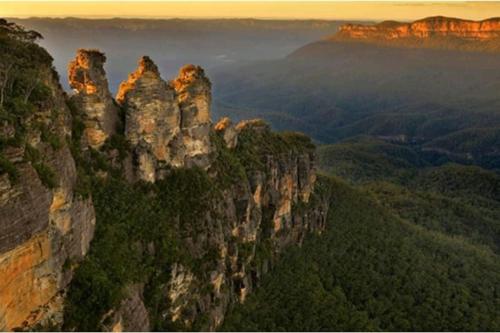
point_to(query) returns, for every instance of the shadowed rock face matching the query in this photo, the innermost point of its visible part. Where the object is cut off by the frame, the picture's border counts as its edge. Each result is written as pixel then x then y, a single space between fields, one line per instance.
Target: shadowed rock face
pixel 464 34
pixel 88 79
pixel 261 208
pixel 167 124
pixel 41 228
pixel 228 131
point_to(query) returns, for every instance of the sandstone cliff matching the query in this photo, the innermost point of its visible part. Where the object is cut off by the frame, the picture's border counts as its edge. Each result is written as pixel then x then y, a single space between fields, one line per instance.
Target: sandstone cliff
pixel 258 198
pixel 45 227
pixel 188 216
pixel 269 207
pixel 432 32
pixel 152 120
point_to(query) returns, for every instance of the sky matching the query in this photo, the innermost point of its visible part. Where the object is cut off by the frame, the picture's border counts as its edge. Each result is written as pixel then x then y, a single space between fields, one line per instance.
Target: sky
pixel 245 9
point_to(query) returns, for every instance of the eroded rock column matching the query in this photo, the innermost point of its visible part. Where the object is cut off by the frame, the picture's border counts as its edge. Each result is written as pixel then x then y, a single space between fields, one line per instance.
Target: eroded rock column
pixel 194 97
pixel 152 121
pixel 88 79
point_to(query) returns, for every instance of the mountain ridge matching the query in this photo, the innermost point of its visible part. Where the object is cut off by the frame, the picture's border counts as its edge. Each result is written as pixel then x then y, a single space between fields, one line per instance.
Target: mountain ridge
pixel 438 32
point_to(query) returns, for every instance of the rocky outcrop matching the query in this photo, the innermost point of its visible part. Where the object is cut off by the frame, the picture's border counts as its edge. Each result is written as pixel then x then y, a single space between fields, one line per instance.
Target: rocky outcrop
pixel 43 227
pixel 429 32
pixel 132 315
pixel 236 241
pixel 273 206
pixel 261 198
pixel 229 132
pixel 88 79
pixel 167 124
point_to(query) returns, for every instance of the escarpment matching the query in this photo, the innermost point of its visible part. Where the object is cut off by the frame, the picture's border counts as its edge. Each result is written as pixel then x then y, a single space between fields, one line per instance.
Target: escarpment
pixel 45 225
pixel 433 32
pixel 187 216
pixel 234 196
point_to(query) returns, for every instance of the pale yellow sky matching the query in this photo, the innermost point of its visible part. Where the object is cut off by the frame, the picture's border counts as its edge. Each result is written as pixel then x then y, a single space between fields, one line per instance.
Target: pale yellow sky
pixel 279 9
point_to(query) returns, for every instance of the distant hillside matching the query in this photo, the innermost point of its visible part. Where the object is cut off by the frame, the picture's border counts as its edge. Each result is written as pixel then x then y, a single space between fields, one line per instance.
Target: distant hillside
pixel 175 42
pixel 433 32
pixel 443 100
pixel 450 198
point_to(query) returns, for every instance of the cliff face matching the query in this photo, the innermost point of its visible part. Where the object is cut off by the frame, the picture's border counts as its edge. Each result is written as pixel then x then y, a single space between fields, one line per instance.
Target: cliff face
pixel 44 224
pixel 270 207
pixel 462 34
pixel 261 200
pixel 227 200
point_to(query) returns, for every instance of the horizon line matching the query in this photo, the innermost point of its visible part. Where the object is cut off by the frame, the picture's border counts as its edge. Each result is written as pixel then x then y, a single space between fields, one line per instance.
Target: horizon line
pixel 207 18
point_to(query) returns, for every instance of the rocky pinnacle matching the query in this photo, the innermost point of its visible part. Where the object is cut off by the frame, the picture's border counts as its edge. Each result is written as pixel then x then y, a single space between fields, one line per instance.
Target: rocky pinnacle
pixel 91 94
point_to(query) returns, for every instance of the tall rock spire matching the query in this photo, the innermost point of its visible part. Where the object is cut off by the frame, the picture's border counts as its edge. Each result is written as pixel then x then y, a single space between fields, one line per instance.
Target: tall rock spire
pixel 194 97
pixel 167 124
pixel 152 120
pixel 88 79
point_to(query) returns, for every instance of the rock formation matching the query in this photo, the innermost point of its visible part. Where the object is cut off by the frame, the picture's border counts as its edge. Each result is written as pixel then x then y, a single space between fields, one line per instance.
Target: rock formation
pixel 194 97
pixel 167 124
pixel 263 216
pixel 262 197
pixel 229 133
pixel 88 79
pixel 152 120
pixel 429 32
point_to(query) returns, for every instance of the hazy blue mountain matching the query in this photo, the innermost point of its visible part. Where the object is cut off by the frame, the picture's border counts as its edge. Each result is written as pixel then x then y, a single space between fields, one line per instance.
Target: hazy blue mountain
pixel 337 90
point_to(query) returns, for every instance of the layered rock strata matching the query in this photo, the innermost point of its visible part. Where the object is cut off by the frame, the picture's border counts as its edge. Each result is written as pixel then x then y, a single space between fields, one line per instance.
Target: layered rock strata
pixel 43 230
pixel 425 28
pixel 434 32
pixel 152 120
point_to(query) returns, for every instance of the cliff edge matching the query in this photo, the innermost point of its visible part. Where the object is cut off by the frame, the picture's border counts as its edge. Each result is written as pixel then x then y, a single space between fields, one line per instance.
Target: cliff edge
pixel 137 213
pixel 433 32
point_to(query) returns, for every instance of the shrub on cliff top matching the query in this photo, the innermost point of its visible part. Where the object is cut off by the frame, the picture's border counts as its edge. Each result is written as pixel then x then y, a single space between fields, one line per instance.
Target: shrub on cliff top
pixel 256 144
